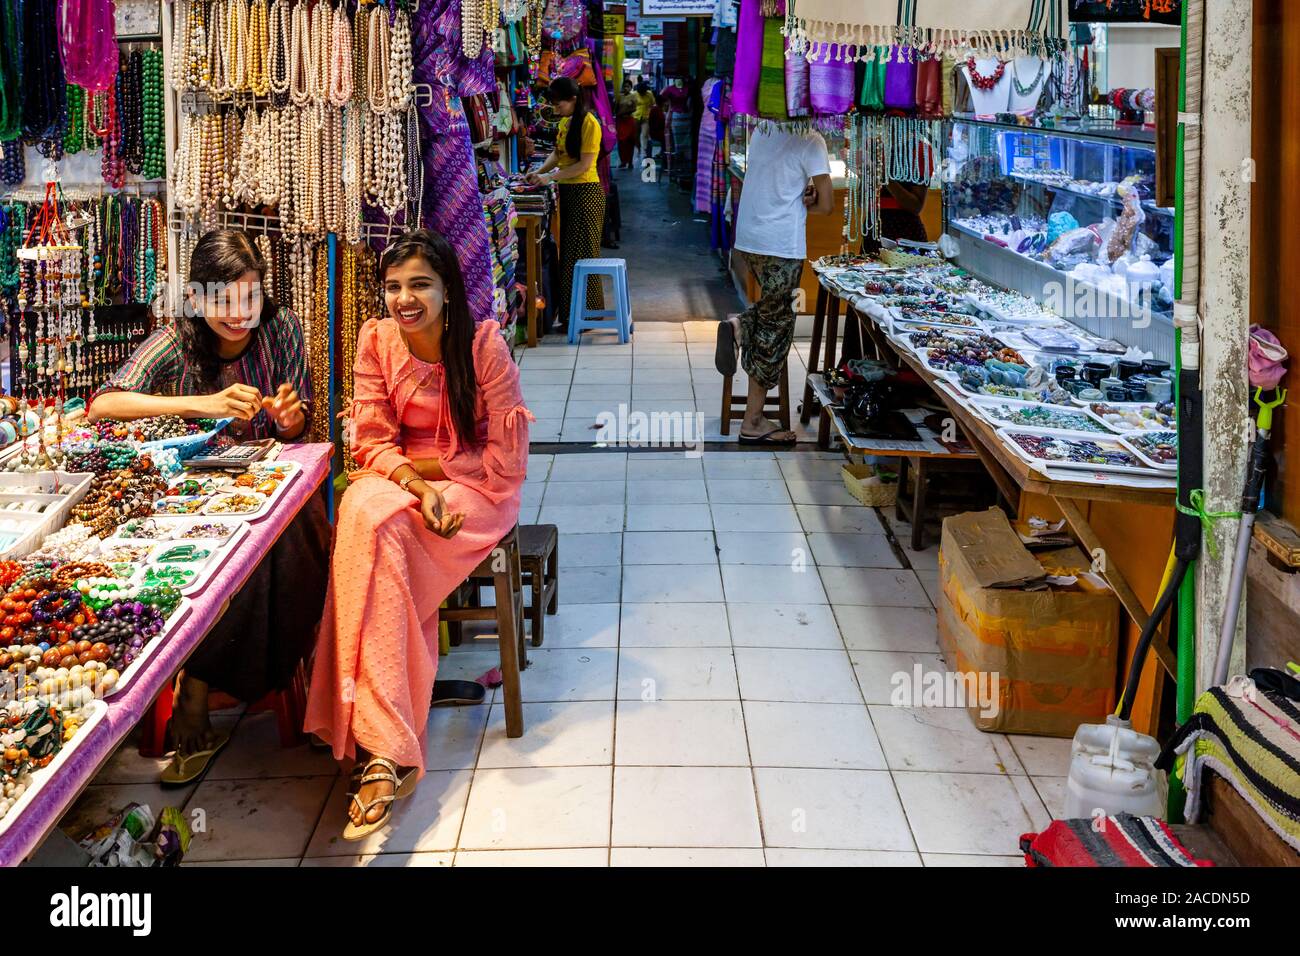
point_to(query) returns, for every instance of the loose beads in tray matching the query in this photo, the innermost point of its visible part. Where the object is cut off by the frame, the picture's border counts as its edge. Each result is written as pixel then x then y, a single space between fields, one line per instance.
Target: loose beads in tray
pixel 1054 417
pixel 124 553
pixel 146 529
pixel 1159 448
pixel 182 506
pixel 1136 417
pixel 190 553
pixel 1077 452
pixel 235 504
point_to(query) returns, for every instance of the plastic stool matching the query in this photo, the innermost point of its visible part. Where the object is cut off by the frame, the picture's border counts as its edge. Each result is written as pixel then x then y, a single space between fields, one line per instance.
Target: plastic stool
pixel 581 318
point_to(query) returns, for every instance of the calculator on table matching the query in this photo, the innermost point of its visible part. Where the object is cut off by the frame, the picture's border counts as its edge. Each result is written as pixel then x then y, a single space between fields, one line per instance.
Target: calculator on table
pixel 235 457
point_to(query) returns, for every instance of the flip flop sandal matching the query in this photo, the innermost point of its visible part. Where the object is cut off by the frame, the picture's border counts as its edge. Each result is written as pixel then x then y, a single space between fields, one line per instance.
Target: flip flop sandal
pixel 354 831
pixel 767 439
pixel 724 357
pixel 405 781
pixel 447 693
pixel 186 768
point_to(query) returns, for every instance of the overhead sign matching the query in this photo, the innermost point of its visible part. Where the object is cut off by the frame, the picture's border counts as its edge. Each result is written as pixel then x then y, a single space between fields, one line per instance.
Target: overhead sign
pixel 654 49
pixel 678 8
pixel 615 24
pixel 650 28
pixel 1123 11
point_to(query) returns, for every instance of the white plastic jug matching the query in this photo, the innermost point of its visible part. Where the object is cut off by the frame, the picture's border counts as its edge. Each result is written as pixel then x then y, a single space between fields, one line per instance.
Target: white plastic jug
pixel 1112 769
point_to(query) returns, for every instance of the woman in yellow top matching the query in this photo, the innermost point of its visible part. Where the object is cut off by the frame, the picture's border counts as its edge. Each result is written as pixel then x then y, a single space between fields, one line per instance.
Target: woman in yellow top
pixel 582 197
pixel 645 102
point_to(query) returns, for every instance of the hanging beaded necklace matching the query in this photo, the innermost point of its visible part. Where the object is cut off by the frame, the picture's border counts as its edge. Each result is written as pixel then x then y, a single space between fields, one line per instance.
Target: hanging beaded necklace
pixel 980 81
pixel 1020 88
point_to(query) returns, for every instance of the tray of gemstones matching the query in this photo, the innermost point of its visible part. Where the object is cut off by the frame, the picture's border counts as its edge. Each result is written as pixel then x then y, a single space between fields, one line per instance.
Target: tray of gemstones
pixel 940 317
pixel 248 494
pixel 1133 416
pixel 1088 452
pixel 974 350
pixel 94 711
pixel 1159 450
pixel 195 551
pixel 1041 415
pixel 140 655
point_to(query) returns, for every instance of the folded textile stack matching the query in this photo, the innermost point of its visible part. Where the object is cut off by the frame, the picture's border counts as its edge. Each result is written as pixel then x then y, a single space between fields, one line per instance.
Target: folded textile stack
pixel 499 213
pixel 1250 736
pixel 1119 841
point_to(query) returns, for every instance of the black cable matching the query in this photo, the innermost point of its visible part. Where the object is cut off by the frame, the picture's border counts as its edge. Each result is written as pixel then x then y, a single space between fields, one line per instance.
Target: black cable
pixel 1148 632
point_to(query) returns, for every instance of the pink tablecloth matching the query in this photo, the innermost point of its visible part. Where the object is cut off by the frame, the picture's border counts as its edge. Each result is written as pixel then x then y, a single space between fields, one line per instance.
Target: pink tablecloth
pixel 126 709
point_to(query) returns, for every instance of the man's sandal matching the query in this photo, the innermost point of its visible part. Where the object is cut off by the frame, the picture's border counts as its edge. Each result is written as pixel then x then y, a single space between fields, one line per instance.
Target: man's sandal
pixel 354 831
pixel 186 768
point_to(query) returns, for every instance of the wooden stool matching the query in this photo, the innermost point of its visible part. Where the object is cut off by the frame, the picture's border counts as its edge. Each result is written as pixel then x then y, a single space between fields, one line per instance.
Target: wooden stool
pixel 539 560
pixel 501 569
pixel 733 406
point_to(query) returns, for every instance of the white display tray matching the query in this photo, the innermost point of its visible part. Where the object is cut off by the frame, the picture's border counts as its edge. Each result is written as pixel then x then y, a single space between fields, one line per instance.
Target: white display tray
pixel 40 778
pixel 176 620
pixel 1131 445
pixel 1040 464
pixel 222 549
pixel 1124 406
pixel 268 501
pixel 984 406
pixel 897 318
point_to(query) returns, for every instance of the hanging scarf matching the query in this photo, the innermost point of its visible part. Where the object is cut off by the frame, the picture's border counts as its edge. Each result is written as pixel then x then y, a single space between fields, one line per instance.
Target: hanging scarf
pixel 798 101
pixel 771 79
pixel 984 27
pixel 831 85
pixel 749 59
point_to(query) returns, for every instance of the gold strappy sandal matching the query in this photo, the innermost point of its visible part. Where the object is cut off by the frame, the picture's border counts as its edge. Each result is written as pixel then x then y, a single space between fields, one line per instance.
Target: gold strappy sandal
pixel 354 831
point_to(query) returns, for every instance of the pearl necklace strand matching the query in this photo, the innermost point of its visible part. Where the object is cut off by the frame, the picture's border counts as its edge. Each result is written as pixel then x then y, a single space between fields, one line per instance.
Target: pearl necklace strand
pixel 352 174
pixel 258 49
pixel 197 71
pixel 341 85
pixel 218 67
pixel 401 87
pixel 377 60
pixel 322 19
pixel 300 57
pixel 279 55
pixel 237 45
pixel 471 28
pixel 180 44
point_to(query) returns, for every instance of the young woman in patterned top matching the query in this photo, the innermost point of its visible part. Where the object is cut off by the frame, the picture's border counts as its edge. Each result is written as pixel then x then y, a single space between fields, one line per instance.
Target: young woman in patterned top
pixel 234 353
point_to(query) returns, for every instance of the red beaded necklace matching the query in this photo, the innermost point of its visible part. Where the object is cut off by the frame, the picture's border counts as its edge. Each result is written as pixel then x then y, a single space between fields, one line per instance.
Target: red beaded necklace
pixel 984 82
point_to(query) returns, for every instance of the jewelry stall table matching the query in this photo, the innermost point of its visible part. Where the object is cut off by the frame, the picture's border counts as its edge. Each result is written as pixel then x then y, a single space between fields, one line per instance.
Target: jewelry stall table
pixel 1011 473
pixel 125 710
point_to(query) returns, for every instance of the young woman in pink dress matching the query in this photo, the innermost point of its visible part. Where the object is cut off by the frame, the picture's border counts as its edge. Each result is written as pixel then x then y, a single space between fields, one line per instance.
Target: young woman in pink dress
pixel 440 432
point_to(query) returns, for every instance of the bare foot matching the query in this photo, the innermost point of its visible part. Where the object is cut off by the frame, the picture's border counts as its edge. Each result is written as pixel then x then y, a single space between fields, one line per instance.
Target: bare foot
pixel 191 731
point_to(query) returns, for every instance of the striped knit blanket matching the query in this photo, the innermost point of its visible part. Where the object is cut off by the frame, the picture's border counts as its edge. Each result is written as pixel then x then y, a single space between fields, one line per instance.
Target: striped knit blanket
pixel 1251 737
pixel 1119 841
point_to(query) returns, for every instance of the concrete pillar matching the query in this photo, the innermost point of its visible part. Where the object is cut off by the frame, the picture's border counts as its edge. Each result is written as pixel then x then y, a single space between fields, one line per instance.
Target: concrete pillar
pixel 1225 302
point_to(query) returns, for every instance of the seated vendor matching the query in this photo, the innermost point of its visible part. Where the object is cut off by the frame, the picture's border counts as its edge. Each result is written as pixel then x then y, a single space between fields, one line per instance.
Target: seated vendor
pixel 234 353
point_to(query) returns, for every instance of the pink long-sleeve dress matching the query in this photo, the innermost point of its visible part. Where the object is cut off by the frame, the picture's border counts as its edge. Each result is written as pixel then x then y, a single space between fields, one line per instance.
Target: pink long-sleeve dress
pixel 378 650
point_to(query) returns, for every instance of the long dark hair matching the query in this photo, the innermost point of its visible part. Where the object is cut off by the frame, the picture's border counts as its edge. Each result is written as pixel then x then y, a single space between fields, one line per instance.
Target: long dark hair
pixel 221 256
pixel 458 323
pixel 563 88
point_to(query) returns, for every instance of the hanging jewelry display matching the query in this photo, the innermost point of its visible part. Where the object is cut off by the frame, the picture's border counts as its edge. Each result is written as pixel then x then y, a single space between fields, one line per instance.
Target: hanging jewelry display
pixel 318 363
pixel 1021 88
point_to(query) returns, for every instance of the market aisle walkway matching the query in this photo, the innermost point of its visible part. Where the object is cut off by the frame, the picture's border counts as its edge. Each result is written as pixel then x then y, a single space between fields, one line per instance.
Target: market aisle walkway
pixel 673 275
pixel 715 689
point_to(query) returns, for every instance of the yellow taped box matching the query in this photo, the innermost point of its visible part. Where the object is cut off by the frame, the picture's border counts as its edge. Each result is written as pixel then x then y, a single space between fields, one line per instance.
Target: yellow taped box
pixel 1051 650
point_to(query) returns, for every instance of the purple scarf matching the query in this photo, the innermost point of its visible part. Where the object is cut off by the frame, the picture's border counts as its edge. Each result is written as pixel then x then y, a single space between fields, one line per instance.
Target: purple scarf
pixel 749 58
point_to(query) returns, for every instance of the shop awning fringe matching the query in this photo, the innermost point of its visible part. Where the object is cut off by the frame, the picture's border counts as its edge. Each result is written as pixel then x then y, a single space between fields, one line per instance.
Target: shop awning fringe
pixel 856 30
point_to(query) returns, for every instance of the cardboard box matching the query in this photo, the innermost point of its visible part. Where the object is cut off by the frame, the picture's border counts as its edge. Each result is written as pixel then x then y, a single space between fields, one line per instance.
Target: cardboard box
pixel 1052 648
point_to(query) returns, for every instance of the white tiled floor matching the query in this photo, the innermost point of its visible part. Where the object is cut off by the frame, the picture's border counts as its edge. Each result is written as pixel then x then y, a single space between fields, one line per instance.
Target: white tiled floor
pixel 715 690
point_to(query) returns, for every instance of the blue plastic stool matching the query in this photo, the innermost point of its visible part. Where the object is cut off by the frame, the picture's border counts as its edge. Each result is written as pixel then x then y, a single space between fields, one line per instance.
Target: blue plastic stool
pixel 618 318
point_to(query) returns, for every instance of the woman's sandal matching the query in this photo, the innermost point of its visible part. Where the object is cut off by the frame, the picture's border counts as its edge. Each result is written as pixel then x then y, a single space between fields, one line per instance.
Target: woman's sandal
pixel 186 768
pixel 406 781
pixel 354 831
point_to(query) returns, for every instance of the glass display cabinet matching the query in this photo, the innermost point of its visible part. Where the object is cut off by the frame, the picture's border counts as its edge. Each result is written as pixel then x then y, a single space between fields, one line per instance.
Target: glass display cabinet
pixel 1065 214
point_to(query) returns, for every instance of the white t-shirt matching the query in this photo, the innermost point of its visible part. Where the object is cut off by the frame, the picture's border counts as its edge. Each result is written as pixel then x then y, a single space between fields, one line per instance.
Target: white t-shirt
pixel 772 215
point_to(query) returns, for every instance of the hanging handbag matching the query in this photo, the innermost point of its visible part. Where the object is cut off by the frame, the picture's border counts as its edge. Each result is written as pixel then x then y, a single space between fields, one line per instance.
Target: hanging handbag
pixel 900 80
pixel 929 87
pixel 872 95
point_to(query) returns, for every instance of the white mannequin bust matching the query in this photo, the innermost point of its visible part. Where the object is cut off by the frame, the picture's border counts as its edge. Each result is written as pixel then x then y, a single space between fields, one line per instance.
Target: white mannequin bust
pixel 1033 74
pixel 987 103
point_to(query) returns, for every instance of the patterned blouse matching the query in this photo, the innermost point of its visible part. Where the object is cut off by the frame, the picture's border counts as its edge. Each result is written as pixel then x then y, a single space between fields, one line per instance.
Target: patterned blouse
pixel 275 354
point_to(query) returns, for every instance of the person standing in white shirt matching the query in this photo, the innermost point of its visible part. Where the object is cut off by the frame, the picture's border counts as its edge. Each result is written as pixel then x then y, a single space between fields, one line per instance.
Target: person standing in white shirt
pixel 786 175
